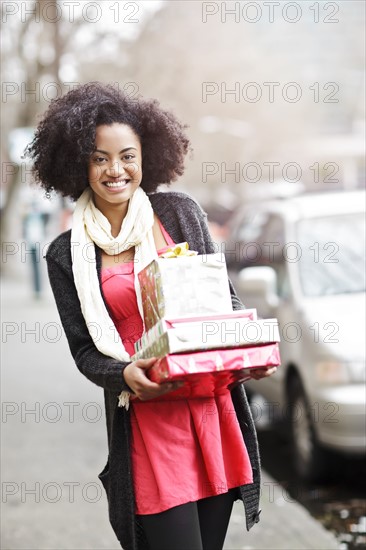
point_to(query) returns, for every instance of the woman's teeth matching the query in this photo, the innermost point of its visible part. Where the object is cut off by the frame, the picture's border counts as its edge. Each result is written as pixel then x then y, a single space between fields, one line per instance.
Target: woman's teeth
pixel 116 184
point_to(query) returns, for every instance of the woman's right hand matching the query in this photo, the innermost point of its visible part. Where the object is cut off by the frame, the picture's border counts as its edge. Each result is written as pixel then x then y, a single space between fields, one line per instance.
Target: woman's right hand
pixel 143 388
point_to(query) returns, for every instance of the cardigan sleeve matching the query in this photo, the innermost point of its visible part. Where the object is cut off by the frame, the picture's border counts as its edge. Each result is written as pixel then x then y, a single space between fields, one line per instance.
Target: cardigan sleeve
pixel 104 371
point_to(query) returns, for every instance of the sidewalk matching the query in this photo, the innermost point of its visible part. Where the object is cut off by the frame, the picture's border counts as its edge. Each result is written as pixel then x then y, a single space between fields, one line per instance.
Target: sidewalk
pixel 47 451
pixel 284 525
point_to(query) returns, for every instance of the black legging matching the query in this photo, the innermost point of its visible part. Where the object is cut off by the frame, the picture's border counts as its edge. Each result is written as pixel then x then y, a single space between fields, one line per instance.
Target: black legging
pixel 200 525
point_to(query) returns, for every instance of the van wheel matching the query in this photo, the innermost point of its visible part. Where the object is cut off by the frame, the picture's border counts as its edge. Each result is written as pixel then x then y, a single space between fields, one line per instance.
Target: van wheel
pixel 309 458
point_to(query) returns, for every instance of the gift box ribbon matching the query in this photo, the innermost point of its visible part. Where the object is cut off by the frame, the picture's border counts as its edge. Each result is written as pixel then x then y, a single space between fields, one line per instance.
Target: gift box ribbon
pixel 180 249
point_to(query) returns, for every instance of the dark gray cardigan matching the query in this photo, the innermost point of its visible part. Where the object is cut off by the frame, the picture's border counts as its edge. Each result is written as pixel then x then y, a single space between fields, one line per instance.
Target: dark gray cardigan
pixel 185 221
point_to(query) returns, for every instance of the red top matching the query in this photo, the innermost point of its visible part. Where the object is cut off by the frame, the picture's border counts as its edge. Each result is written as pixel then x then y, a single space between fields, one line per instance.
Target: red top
pixel 183 450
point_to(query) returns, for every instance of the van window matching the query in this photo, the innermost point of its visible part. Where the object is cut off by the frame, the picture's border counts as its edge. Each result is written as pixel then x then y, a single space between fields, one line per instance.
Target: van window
pixel 333 254
pixel 272 240
pixel 251 227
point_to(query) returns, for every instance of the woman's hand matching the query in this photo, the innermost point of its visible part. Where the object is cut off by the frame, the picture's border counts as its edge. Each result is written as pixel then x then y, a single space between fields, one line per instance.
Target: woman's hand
pixel 257 374
pixel 135 376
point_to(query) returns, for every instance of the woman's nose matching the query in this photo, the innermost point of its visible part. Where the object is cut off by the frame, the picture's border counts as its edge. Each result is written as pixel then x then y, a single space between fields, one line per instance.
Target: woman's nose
pixel 116 168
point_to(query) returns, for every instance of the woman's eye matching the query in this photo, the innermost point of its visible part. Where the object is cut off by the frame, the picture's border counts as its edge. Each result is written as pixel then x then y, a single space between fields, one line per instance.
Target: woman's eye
pixel 99 160
pixel 129 157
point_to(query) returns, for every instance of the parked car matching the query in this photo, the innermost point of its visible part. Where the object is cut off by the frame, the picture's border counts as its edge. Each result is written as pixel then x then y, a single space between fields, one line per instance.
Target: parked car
pixel 302 260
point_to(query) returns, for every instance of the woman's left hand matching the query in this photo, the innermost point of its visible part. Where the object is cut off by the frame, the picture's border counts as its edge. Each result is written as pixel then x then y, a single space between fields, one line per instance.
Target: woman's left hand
pixel 257 374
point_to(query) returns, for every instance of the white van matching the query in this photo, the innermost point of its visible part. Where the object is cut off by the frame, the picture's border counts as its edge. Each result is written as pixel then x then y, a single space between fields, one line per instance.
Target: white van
pixel 302 260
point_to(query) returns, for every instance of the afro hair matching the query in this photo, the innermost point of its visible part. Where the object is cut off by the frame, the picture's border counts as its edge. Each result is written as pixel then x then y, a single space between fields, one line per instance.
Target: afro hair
pixel 65 138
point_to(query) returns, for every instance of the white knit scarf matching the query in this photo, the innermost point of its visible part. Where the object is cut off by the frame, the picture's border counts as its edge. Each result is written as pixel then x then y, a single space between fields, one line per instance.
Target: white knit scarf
pixel 90 226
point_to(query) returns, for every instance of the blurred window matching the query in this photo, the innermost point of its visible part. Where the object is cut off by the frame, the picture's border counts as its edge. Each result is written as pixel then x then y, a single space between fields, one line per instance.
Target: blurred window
pixel 273 239
pixel 333 254
pixel 251 227
pixel 284 288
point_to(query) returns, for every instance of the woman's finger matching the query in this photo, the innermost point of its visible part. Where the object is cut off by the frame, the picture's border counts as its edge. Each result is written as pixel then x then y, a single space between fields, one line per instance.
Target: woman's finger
pixel 159 389
pixel 257 374
pixel 145 363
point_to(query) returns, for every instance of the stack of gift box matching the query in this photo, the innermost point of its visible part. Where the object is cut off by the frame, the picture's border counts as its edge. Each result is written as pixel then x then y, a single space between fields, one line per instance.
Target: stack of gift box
pixel 192 330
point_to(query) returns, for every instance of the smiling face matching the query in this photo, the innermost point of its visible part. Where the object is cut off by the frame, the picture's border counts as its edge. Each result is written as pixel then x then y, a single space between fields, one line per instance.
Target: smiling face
pixel 114 169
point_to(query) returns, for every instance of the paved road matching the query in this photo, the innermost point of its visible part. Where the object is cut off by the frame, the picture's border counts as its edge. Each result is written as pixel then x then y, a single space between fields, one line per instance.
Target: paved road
pixel 54 445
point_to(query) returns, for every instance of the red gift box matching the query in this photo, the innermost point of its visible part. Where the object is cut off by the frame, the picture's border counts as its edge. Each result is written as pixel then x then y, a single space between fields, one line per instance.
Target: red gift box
pixel 212 372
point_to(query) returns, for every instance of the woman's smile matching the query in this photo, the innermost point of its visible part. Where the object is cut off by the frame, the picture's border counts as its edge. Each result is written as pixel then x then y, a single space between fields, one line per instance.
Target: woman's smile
pixel 116 185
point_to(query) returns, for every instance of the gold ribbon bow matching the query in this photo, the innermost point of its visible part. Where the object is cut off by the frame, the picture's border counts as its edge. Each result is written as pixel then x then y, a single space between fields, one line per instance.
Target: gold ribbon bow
pixel 180 249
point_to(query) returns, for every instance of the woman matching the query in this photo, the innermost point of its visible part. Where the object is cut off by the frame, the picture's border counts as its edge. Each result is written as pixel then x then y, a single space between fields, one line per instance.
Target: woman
pixel 174 467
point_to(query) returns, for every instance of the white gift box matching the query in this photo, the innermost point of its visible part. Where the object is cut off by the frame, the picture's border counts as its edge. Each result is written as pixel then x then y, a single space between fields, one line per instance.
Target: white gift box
pixel 184 286
pixel 237 329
